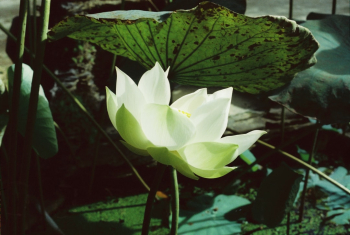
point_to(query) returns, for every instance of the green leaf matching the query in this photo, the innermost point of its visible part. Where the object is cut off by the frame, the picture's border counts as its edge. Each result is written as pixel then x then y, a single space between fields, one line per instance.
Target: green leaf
pixel 305 155
pixel 276 196
pixel 207 215
pixel 322 91
pixel 206 46
pixel 44 138
pixel 249 158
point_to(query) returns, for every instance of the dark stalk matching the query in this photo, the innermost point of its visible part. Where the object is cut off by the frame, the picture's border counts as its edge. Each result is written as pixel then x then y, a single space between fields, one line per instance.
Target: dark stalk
pixel 3 198
pixel 98 135
pixel 334 6
pixel 151 196
pixel 42 206
pixel 13 123
pixel 311 155
pixel 283 116
pixel 33 104
pixel 34 27
pixel 290 9
pixel 30 33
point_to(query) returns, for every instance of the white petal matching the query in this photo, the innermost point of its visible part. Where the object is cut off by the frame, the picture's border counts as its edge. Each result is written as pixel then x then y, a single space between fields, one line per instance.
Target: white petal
pixel 167 71
pixel 112 106
pixel 210 120
pixel 164 156
pixel 212 174
pixel 130 130
pixel 155 86
pixel 208 155
pixel 243 141
pixel 224 93
pixel 129 94
pixel 192 101
pixel 166 127
pixel 135 150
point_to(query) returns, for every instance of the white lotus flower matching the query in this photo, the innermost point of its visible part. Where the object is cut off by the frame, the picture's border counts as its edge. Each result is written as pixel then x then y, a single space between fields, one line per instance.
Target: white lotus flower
pixel 186 134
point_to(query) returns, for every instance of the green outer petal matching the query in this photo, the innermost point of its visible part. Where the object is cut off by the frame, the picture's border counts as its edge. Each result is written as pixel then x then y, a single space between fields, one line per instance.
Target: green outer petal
pixel 192 101
pixel 244 141
pixel 135 150
pixel 164 156
pixel 155 86
pixel 166 127
pixel 212 174
pixel 210 120
pixel 112 106
pixel 209 155
pixel 131 131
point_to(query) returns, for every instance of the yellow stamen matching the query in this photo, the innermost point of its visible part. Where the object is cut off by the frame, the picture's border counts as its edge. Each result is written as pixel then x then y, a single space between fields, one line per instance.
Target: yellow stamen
pixel 186 113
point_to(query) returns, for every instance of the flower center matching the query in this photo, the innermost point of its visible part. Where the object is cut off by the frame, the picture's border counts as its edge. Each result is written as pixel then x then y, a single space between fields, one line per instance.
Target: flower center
pixel 185 113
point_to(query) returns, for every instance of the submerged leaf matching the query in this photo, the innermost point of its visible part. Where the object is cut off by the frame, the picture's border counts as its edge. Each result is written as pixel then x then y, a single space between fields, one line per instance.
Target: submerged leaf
pixel 207 215
pixel 331 198
pixel 276 196
pixel 249 158
pixel 323 91
pixel 206 46
pixel 44 136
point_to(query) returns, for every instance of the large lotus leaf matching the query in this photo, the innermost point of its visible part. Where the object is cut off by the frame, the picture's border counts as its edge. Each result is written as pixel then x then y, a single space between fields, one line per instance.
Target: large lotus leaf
pixel 323 91
pixel 44 138
pixel 206 46
pixel 238 6
pixel 276 195
pixel 207 215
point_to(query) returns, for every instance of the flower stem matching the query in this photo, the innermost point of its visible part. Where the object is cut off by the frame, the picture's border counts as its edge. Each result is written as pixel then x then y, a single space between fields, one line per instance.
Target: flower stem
pixel 151 195
pixel 174 202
